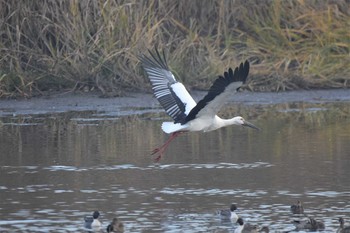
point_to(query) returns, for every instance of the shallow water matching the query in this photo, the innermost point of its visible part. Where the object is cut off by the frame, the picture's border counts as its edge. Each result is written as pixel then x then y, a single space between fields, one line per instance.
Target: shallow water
pixel 57 168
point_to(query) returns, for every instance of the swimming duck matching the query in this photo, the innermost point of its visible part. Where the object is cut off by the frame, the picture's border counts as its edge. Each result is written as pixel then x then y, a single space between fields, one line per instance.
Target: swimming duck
pixel 229 213
pixel 265 229
pixel 115 226
pixel 298 208
pixel 92 222
pixel 245 227
pixel 310 224
pixel 342 228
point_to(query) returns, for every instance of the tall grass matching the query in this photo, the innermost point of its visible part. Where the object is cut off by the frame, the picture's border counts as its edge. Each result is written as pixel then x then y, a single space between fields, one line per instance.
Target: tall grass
pixel 60 45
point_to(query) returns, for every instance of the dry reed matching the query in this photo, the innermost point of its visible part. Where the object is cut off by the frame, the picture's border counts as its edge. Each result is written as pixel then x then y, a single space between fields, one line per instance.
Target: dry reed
pixel 54 45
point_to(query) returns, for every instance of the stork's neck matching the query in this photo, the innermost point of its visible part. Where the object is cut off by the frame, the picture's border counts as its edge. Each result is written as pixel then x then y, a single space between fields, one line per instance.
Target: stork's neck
pixel 219 123
pixel 227 122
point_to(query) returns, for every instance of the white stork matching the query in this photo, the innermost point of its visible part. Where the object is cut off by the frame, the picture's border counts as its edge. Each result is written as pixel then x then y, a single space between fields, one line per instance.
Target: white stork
pixel 179 104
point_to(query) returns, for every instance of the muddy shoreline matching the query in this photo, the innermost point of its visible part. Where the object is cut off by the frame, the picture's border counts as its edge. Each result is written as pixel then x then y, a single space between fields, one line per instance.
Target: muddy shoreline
pixel 92 102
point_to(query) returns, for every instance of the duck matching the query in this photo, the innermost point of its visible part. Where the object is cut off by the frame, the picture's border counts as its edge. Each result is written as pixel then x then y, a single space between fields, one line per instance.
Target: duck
pixel 115 226
pixel 342 228
pixel 245 227
pixel 310 224
pixel 297 208
pixel 229 213
pixel 92 222
pixel 265 229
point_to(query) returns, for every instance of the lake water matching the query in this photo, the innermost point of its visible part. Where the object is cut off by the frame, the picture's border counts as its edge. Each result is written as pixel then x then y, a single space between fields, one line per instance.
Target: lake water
pixel 57 168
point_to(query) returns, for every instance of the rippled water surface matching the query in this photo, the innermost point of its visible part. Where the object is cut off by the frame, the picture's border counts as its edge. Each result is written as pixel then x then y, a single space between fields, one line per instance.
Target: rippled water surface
pixel 57 168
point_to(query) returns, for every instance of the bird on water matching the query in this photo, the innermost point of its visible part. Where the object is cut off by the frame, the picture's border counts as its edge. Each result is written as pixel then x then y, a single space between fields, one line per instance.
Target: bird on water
pixel 245 227
pixel 248 228
pixel 115 226
pixel 297 208
pixel 92 222
pixel 310 224
pixel 229 213
pixel 179 104
pixel 342 228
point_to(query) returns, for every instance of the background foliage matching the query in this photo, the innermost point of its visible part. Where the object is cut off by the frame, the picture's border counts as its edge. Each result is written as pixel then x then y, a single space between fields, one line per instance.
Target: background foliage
pixel 56 45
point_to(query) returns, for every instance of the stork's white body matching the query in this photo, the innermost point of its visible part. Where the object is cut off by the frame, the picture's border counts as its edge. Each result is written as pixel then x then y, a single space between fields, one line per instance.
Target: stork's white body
pixel 203 123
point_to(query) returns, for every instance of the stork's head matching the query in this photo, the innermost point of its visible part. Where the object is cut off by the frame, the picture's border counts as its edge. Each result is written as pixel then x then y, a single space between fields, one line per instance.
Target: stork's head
pixel 240 121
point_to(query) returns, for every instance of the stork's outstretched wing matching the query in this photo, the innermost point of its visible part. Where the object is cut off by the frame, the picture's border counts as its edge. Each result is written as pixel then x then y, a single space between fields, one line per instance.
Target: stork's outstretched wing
pixel 219 92
pixel 171 94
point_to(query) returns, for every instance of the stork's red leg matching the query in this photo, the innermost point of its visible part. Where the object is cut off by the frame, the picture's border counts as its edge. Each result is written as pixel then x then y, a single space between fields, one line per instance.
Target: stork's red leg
pixel 160 150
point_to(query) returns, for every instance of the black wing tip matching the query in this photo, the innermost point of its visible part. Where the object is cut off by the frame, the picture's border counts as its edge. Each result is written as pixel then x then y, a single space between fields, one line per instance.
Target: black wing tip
pixel 155 59
pixel 246 63
pixel 240 73
pixel 246 68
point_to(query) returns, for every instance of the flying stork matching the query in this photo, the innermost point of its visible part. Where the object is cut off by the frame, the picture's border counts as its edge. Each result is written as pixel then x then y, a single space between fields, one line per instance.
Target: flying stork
pixel 179 104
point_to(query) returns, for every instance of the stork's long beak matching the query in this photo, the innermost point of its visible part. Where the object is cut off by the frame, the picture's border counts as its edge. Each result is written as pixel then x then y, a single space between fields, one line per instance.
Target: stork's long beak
pixel 246 123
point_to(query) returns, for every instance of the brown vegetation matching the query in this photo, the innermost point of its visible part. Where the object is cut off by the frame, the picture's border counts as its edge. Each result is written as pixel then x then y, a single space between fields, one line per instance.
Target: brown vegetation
pixel 81 45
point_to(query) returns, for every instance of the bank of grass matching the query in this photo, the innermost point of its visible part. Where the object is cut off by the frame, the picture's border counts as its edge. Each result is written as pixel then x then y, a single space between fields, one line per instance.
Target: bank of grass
pixel 84 45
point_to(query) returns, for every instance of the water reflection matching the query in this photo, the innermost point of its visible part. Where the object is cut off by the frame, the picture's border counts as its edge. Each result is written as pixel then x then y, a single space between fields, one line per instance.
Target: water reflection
pixel 59 168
